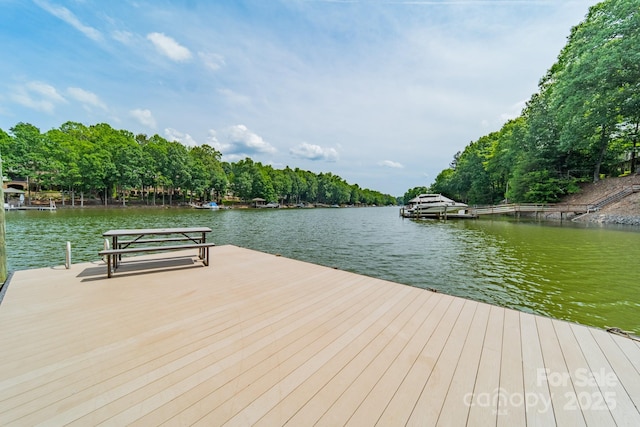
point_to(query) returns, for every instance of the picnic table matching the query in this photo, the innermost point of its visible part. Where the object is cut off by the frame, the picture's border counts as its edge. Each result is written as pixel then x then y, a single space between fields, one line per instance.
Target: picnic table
pixel 155 239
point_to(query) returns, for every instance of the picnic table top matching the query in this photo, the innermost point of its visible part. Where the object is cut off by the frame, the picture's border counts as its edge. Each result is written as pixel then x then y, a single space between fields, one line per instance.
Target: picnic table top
pixel 142 231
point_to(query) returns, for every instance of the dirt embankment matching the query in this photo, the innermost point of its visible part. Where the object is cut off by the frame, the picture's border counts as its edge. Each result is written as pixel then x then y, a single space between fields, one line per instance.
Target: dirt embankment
pixel 625 211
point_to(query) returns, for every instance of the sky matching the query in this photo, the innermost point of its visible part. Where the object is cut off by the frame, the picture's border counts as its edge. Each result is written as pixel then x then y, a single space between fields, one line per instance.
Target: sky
pixel 382 93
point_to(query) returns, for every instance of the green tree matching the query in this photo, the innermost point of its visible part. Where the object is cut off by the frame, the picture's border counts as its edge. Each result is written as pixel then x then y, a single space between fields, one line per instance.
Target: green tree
pixel 213 172
pixel 282 184
pixel 243 185
pixel 155 158
pixel 596 81
pixel 583 121
pixel 67 157
pixel 29 156
pixel 261 186
pixel 124 154
pixel 105 162
pixel 176 173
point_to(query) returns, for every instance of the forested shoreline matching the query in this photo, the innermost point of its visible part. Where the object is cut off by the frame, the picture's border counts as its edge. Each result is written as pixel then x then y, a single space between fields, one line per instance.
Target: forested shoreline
pixel 581 125
pixel 100 162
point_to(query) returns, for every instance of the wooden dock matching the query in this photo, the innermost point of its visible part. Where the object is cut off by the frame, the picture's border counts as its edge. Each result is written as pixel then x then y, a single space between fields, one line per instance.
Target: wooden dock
pixel 30 208
pixel 503 209
pixel 258 339
pixel 458 214
pixel 557 208
pixel 517 208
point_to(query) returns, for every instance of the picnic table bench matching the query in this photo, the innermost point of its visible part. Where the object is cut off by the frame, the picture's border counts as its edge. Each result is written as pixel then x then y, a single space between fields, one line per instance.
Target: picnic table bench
pixel 193 238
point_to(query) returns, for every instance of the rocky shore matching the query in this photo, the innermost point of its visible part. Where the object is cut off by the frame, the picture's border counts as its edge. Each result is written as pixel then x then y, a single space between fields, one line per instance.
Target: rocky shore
pixel 612 219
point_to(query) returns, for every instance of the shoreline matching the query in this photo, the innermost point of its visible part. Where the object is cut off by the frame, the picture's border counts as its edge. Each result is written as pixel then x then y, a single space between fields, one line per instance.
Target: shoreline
pixel 613 219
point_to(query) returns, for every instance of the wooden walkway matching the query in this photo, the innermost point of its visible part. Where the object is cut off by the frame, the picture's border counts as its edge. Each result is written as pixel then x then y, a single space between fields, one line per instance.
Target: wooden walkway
pixel 257 339
pixel 530 208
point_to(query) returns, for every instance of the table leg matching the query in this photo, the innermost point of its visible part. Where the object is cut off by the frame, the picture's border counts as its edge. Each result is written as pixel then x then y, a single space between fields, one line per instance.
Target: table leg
pixel 114 245
pixel 203 240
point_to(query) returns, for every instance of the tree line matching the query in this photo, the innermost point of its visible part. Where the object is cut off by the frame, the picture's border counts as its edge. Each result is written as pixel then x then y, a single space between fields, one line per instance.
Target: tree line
pixel 582 123
pixel 104 163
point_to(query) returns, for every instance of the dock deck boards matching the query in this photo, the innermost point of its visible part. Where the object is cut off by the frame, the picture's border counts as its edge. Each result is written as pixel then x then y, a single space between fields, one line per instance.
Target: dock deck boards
pixel 258 339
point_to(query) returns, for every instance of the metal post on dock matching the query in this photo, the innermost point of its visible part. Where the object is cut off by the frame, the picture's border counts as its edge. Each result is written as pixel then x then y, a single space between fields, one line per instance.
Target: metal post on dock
pixel 67 258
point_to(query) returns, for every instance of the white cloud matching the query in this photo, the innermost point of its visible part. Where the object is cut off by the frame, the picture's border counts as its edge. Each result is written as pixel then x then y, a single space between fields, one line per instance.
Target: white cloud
pixel 38 96
pixel 391 164
pixel 89 99
pixel 45 90
pixel 124 37
pixel 144 117
pixel 314 152
pixel 238 142
pixel 241 140
pixel 169 47
pixel 67 16
pixel 213 141
pixel 212 61
pixel 184 138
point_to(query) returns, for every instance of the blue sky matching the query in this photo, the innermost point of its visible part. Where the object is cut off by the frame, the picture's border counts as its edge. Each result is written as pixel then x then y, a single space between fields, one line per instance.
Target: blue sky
pixel 380 92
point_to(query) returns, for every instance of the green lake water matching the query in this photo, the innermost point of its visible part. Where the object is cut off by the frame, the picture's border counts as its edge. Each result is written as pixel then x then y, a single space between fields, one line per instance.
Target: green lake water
pixel 587 274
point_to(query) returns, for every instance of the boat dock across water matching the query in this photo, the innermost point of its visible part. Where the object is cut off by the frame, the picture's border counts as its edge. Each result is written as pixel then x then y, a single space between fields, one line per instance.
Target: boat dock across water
pixel 260 339
pixel 51 207
pixel 434 206
pixel 438 206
